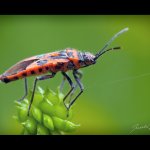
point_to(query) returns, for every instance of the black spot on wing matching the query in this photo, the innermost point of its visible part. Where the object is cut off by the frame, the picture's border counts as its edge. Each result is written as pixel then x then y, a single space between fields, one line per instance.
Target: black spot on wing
pixel 41 62
pixel 24 74
pixel 40 69
pixel 16 78
pixel 32 72
pixel 47 68
pixel 6 80
pixel 59 65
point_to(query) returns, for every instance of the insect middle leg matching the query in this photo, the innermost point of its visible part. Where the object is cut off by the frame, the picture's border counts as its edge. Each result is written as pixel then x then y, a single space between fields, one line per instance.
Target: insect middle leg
pixel 26 89
pixel 78 72
pixel 71 84
pixel 75 72
pixel 34 86
pixel 62 84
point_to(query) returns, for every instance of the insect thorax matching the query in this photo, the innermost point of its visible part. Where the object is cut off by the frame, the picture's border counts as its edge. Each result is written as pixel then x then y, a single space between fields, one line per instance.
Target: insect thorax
pixel 86 59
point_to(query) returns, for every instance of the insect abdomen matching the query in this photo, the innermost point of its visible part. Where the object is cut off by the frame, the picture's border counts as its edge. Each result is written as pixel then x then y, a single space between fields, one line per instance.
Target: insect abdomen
pixel 25 73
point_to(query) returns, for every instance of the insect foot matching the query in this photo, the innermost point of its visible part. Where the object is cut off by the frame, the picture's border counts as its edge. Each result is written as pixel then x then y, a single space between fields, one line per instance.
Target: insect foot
pixel 48 115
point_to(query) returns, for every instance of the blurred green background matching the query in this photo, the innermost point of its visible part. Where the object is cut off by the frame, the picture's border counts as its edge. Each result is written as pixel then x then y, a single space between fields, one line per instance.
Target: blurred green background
pixel 116 97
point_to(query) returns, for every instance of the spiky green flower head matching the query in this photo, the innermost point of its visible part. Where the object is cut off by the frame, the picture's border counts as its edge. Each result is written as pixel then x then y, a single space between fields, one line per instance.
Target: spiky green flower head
pixel 48 115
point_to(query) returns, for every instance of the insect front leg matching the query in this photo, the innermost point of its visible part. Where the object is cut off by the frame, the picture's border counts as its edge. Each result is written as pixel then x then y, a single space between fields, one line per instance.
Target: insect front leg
pixel 78 72
pixel 71 84
pixel 34 86
pixel 80 85
pixel 26 89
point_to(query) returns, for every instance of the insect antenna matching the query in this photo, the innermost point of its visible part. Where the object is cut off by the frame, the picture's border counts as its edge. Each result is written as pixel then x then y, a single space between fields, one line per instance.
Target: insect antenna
pixel 113 48
pixel 103 50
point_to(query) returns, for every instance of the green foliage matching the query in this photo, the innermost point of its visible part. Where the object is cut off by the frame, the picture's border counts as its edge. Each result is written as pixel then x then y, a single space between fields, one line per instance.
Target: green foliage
pixel 48 114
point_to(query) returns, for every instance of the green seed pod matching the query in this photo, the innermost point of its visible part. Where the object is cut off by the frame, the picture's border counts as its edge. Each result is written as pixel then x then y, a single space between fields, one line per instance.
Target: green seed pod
pixel 48 122
pixel 64 125
pixel 30 125
pixel 22 114
pixel 60 111
pixel 41 130
pixel 38 97
pixel 37 114
pixel 51 96
pixel 70 127
pixel 53 110
pixel 58 123
pixel 47 107
pixel 47 116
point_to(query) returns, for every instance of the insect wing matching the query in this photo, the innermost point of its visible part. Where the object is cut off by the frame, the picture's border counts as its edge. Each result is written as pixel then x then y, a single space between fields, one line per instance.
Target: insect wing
pixel 18 67
pixel 35 61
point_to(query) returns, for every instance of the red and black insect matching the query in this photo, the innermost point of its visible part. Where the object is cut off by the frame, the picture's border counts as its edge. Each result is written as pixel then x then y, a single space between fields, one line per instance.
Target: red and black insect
pixel 64 60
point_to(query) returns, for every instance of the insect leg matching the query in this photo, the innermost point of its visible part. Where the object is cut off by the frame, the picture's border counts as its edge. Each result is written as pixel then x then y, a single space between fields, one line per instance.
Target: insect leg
pixel 80 85
pixel 62 84
pixel 70 82
pixel 80 76
pixel 34 86
pixel 26 89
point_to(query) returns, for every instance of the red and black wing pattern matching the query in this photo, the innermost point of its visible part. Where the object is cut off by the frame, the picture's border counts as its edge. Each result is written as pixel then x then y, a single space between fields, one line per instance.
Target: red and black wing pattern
pixel 38 60
pixel 20 66
pixel 35 62
pixel 40 64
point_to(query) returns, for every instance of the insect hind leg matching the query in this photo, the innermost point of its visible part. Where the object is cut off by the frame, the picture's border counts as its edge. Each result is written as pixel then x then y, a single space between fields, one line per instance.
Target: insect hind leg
pixel 26 90
pixel 34 87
